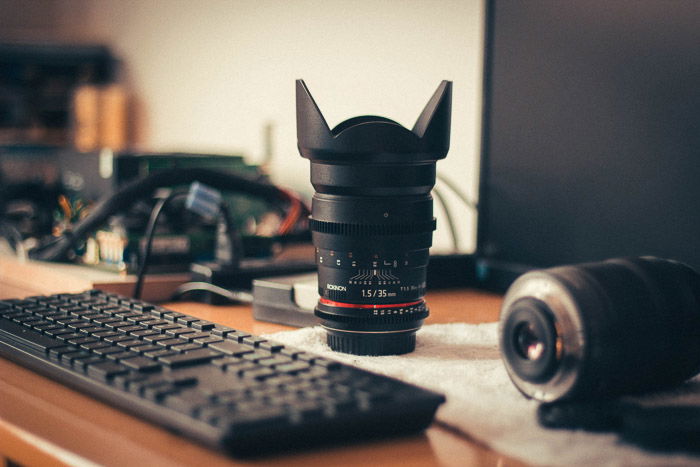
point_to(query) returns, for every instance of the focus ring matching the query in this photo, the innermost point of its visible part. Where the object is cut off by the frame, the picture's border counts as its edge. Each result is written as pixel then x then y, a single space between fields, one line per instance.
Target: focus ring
pixel 339 228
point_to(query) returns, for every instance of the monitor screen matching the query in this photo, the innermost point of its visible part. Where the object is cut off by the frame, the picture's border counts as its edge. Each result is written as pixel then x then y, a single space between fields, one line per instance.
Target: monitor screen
pixel 591 132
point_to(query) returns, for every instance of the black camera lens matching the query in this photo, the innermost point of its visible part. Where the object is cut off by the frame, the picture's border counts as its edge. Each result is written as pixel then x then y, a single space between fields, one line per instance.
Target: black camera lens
pixel 602 329
pixel 372 221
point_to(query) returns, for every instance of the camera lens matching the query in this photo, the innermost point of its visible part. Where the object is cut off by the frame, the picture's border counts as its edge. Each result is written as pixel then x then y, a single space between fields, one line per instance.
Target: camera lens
pixel 601 329
pixel 372 221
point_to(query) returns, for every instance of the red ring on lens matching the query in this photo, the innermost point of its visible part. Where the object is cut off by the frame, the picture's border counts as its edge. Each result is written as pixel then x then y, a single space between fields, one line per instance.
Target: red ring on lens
pixel 325 301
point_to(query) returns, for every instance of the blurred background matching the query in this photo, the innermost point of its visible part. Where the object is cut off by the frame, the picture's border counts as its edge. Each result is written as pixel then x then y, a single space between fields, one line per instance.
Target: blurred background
pixel 217 77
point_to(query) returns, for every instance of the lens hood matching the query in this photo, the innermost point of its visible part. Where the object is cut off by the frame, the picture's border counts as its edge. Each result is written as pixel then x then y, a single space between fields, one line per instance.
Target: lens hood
pixel 374 139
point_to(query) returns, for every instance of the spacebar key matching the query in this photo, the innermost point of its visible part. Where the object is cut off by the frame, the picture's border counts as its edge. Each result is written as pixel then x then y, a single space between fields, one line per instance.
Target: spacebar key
pixel 193 357
pixel 16 334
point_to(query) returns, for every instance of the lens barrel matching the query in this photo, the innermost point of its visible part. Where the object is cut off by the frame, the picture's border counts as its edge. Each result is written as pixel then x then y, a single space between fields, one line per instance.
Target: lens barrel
pixel 372 221
pixel 601 329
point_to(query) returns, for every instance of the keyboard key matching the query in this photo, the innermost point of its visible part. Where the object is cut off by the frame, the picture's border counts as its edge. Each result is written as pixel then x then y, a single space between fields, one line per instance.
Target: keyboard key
pixel 257 355
pixel 186 347
pixel 69 336
pixel 237 335
pixel 145 348
pixel 196 335
pixel 292 367
pixel 231 348
pixel 159 353
pixel 68 358
pixel 107 350
pixel 118 338
pixel 124 380
pixel 82 340
pixel 156 338
pixel 222 331
pixel 193 357
pixel 252 340
pixel 259 373
pixel 132 328
pixel 173 315
pixel 117 324
pixel 104 334
pixel 203 325
pixel 271 346
pixel 166 327
pixel 153 322
pixel 115 357
pixel 93 346
pixel 106 319
pixel 144 332
pixel 140 318
pixel 172 341
pixel 180 331
pixel 106 370
pixel 274 361
pixel 81 364
pixel 187 320
pixel 207 340
pixel 240 367
pixel 130 343
pixel 142 364
pixel 81 325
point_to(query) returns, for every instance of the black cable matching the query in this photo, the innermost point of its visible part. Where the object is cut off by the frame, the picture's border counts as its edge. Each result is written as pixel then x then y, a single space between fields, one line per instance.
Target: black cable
pixel 13 237
pixel 240 296
pixel 235 247
pixel 455 189
pixel 150 232
pixel 58 249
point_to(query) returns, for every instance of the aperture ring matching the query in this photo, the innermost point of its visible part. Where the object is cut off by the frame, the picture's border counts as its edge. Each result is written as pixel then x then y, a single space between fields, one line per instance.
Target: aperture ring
pixel 340 228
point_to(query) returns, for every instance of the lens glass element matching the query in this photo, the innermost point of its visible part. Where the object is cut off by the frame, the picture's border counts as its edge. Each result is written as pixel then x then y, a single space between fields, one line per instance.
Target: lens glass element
pixel 527 343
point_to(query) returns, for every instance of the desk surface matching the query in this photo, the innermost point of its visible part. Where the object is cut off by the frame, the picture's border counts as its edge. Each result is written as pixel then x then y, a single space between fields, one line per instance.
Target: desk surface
pixel 43 422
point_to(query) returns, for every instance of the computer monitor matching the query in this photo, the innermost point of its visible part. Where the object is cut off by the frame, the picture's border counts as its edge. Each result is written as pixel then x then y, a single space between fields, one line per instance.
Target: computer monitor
pixel 591 134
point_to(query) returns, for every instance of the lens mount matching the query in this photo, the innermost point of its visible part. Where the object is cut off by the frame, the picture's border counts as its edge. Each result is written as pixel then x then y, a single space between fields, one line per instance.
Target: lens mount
pixel 364 329
pixel 540 309
pixel 531 344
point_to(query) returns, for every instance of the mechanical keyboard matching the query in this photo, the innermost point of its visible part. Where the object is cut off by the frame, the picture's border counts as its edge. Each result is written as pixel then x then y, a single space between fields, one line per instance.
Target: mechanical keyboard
pixel 213 384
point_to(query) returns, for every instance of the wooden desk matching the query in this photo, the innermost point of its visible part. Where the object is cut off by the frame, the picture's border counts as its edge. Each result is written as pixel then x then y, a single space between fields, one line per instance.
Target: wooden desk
pixel 45 423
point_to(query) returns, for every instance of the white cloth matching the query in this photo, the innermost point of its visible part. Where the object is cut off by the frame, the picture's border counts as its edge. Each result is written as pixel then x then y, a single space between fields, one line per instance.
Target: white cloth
pixel 462 362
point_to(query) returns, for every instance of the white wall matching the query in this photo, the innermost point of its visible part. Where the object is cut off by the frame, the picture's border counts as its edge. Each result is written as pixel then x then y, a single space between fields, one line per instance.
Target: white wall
pixel 211 74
